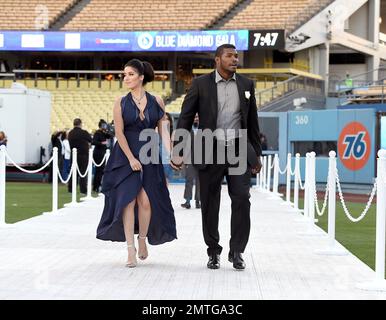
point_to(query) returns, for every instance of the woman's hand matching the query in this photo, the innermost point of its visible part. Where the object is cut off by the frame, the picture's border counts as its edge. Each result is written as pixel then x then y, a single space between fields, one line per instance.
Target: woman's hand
pixel 135 164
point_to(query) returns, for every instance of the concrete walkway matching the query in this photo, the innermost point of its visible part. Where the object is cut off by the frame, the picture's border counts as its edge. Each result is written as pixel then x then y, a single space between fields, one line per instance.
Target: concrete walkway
pixel 58 257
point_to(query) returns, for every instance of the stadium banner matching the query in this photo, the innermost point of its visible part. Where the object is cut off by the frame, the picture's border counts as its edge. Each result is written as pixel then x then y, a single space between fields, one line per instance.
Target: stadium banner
pixel 207 40
pixel 266 39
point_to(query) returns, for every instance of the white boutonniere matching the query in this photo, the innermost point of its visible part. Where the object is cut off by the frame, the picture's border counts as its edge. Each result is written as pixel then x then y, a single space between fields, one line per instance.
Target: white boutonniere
pixel 247 94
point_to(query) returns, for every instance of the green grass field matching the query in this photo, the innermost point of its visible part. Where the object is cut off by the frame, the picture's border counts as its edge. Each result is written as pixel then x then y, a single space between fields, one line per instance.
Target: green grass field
pixel 25 200
pixel 359 237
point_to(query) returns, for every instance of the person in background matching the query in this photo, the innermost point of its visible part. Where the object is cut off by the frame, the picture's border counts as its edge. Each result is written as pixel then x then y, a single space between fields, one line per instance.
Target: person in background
pixel 66 151
pixel 263 141
pixel 56 141
pixel 100 141
pixel 81 140
pixel 348 84
pixel 3 139
pixel 191 176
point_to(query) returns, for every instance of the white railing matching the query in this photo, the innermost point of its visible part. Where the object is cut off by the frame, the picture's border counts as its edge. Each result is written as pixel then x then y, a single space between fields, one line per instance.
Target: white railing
pixel 56 176
pixel 311 204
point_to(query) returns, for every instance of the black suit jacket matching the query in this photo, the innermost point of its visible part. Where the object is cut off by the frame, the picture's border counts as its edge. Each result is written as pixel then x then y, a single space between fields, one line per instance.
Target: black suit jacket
pixel 79 139
pixel 201 98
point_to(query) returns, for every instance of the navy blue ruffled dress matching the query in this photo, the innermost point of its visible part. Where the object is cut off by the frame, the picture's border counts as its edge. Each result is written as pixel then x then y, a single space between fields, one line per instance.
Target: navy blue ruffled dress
pixel 121 184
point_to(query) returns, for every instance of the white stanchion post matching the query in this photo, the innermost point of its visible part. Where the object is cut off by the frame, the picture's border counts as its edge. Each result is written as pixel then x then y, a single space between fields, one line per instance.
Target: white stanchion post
pixel 89 174
pixel 2 185
pixel 276 175
pixel 269 173
pixel 379 283
pixel 307 186
pixel 74 175
pixel 73 178
pixel 55 169
pixel 265 174
pixel 311 206
pixel 275 195
pixel 332 198
pixel 296 184
pixel 333 248
pixel 305 216
pixel 312 228
pixel 288 183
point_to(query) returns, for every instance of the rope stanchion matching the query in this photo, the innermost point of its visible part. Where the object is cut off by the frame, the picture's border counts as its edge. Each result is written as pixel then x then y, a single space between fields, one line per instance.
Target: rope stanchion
pixel 296 182
pixel 312 228
pixel 379 283
pixel 89 174
pixel 2 185
pixel 68 178
pixel 269 173
pixel 275 195
pixel 306 187
pixel 276 176
pixel 74 177
pixel 55 170
pixel 25 170
pixel 288 183
pixel 343 202
pixel 334 249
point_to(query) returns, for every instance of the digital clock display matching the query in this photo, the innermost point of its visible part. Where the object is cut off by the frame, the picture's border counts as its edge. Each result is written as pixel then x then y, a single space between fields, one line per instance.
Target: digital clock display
pixel 266 39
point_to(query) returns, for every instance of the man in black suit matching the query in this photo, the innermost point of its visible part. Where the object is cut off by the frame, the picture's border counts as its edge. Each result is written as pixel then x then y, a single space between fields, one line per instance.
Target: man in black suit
pixel 100 141
pixel 81 140
pixel 225 102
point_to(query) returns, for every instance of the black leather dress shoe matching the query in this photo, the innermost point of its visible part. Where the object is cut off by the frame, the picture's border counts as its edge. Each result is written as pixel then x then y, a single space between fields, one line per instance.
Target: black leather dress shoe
pixel 198 205
pixel 237 260
pixel 186 205
pixel 214 261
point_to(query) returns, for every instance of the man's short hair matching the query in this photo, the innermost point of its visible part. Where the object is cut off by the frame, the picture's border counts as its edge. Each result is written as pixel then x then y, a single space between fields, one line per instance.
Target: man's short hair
pixel 220 49
pixel 77 122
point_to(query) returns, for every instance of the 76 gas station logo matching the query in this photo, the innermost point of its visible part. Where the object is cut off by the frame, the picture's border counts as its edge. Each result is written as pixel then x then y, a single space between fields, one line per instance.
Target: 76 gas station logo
pixel 354 146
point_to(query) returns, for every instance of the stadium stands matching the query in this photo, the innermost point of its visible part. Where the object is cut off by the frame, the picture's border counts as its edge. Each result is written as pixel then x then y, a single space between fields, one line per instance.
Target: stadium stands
pixel 31 14
pixel 278 14
pixel 175 105
pixel 142 15
pixel 89 103
pixel 90 106
pixel 132 15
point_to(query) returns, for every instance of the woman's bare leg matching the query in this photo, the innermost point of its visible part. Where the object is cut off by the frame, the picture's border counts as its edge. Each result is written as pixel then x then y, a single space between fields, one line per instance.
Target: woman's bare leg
pixel 128 225
pixel 144 215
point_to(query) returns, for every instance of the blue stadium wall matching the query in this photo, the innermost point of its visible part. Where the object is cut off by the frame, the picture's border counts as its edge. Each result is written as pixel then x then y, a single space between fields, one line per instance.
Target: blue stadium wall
pixel 353 130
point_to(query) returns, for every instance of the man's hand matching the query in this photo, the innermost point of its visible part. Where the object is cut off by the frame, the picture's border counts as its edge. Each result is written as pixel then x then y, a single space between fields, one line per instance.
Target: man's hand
pixel 258 167
pixel 176 163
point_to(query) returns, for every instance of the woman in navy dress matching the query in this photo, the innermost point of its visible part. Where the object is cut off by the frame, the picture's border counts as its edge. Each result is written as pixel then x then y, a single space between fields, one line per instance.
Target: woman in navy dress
pixel 137 199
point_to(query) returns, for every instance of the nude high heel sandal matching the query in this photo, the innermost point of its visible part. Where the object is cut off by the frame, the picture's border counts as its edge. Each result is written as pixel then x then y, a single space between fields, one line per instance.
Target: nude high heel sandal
pixel 145 254
pixel 133 262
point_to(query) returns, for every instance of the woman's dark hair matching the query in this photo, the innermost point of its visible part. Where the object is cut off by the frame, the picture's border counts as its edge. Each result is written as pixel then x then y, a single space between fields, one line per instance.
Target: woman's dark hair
pixel 144 68
pixel 64 135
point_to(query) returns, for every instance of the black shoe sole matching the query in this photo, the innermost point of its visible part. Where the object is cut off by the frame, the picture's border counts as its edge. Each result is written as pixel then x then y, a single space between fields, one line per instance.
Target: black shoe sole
pixel 213 267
